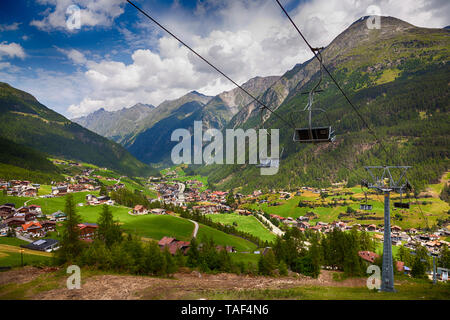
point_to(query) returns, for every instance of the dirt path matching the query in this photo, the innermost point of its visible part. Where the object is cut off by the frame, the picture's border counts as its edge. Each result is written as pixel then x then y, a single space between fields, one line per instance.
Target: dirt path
pixel 182 286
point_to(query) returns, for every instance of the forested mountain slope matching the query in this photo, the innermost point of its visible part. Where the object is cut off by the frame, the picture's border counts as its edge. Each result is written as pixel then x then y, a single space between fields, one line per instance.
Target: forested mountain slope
pixel 398 79
pixel 24 163
pixel 27 122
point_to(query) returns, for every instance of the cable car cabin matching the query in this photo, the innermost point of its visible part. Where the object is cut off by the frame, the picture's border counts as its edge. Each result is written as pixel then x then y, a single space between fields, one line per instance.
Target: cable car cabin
pixel 364 206
pixel 313 135
pixel 401 205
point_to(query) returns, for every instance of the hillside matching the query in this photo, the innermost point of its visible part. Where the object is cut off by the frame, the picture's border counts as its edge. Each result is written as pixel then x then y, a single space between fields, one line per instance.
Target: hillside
pixel 20 162
pixel 154 145
pixel 223 107
pixel 116 125
pixel 398 79
pixel 164 110
pixel 28 122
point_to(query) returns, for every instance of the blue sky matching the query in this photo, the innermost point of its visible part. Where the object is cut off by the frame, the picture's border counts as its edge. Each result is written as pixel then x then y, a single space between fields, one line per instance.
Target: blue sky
pixel 118 58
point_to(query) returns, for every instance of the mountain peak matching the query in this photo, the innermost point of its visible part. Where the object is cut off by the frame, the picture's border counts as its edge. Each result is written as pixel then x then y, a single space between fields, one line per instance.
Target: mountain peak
pixel 141 106
pixel 388 25
pixel 195 93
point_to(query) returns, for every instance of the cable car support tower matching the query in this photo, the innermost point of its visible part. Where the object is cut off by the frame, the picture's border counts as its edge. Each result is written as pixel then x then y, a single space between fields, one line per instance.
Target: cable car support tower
pixel 385 183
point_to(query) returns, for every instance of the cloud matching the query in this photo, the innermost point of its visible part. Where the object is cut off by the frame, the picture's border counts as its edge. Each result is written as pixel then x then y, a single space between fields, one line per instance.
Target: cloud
pixel 11 50
pixel 150 77
pixel 74 55
pixel 92 13
pixel 10 27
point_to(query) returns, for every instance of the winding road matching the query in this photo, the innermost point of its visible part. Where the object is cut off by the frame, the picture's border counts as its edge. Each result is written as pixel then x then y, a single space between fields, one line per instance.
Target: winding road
pixel 194 235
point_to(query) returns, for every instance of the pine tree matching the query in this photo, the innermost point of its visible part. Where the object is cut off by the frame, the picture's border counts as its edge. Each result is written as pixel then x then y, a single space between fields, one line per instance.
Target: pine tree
pixel 180 259
pixel 282 268
pixel 170 264
pixel 267 263
pixel 230 201
pixel 103 191
pixel 71 245
pixel 153 260
pixel 444 260
pixel 109 231
pixel 193 254
pixel 316 257
pixel 418 268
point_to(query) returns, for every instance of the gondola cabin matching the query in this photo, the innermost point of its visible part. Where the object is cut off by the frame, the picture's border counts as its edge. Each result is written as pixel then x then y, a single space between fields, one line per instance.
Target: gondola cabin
pixel 401 205
pixel 314 135
pixel 365 207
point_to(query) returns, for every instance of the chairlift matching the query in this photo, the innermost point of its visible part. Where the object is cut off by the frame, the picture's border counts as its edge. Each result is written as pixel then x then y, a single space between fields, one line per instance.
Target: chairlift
pixel 365 206
pixel 400 204
pixel 314 134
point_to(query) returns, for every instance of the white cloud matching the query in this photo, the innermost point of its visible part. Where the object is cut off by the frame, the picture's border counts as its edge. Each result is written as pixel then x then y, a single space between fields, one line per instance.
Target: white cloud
pixel 9 27
pixel 92 13
pixel 11 50
pixel 74 55
pixel 150 77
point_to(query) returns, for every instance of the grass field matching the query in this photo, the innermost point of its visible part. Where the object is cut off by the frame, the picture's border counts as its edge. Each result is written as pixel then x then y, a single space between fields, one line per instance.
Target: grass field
pixel 147 226
pixel 379 249
pixel 18 201
pixel 51 205
pixel 221 238
pixel 244 223
pixel 10 254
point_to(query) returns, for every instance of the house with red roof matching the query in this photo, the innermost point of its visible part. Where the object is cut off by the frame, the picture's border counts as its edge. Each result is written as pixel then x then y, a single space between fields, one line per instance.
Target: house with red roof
pixel 303 225
pixel 277 217
pixel 140 210
pixel 368 256
pixel 173 245
pixel 32 227
pixel 87 231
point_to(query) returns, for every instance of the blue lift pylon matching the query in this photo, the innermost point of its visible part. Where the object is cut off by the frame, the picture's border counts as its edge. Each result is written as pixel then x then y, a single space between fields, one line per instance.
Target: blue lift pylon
pixel 384 182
